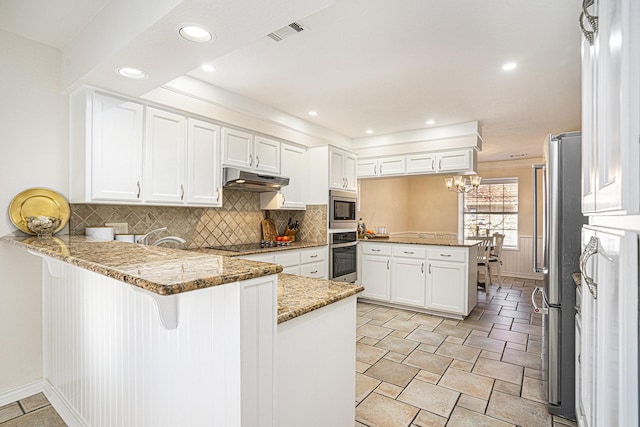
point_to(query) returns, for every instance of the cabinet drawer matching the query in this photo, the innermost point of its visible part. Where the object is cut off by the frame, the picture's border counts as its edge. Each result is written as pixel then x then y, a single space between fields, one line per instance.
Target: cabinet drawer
pixel 295 269
pixel 316 270
pixel 313 255
pixel 414 251
pixel 369 249
pixel 288 258
pixel 447 254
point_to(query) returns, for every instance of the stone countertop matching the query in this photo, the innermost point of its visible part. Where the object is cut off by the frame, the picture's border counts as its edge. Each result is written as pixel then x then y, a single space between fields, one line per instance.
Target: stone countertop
pixel 294 245
pixel 299 295
pixel 419 241
pixel 160 270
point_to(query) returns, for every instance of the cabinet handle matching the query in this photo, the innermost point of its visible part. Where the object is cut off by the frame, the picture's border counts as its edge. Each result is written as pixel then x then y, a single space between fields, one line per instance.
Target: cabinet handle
pixel 181 192
pixel 445 255
pixel 250 160
pixel 589 250
pixel 429 268
pixel 593 20
pixel 375 250
pixel 440 164
pixel 313 256
pixel 314 271
pixel 578 309
pixel 433 164
pixel 587 34
pixel 284 199
pixel 218 195
pixel 380 169
pixel 347 180
pixel 422 268
pixel 375 167
pixel 407 252
pixel 387 264
pixel 138 194
pixel 257 161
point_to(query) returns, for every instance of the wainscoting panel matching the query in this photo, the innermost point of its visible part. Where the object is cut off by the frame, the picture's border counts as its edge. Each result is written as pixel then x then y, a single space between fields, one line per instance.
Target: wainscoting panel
pixel 519 262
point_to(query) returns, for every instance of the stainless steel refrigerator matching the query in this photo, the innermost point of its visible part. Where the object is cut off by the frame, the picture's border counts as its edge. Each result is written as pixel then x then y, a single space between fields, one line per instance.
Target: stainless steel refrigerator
pixel 562 221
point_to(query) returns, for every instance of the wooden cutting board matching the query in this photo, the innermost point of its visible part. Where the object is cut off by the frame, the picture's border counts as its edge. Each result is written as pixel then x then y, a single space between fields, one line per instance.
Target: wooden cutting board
pixel 269 230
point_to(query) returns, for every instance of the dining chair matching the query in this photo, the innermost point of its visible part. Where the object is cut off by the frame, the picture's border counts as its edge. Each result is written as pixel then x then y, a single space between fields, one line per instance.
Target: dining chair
pixel 484 256
pixel 495 256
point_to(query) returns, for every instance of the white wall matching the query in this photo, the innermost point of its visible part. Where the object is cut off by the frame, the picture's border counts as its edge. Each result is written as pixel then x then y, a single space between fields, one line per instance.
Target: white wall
pixel 33 153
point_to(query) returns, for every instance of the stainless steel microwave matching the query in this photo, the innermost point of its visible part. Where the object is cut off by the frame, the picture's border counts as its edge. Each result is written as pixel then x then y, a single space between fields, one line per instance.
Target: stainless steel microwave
pixel 342 209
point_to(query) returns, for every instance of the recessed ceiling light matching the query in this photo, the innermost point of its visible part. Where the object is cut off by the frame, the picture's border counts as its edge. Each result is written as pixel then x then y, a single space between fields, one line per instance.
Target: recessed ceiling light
pixel 431 122
pixel 132 73
pixel 509 66
pixel 208 68
pixel 195 33
pixel 369 131
pixel 313 113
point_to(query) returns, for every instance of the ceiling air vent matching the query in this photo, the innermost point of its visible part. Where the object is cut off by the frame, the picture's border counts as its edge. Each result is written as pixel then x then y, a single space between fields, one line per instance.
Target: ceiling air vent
pixel 286 32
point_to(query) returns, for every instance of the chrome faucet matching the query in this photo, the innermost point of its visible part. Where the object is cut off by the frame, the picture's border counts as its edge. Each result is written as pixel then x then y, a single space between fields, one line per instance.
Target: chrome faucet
pixel 145 239
pixel 172 239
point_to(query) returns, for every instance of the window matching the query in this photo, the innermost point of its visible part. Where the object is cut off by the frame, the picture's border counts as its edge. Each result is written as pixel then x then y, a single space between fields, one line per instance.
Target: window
pixel 492 208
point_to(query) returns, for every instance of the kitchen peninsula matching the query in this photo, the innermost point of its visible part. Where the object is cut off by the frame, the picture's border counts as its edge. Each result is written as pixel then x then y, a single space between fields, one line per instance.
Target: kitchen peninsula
pixel 152 336
pixel 431 275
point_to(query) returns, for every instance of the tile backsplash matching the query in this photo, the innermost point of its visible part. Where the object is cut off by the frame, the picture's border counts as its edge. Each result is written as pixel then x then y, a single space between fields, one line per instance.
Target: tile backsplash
pixel 238 221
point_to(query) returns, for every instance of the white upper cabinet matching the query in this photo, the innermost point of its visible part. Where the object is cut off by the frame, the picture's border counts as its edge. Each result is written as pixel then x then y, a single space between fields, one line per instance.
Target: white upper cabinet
pixel 203 163
pixel 454 161
pixel 387 166
pixel 115 151
pixel 342 170
pixel 237 148
pixel 165 151
pixel 266 155
pixel 421 163
pixel 290 196
pixel 244 150
pixel 611 109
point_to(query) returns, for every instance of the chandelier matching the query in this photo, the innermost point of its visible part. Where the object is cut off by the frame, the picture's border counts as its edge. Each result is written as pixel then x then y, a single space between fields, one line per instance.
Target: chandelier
pixel 463 183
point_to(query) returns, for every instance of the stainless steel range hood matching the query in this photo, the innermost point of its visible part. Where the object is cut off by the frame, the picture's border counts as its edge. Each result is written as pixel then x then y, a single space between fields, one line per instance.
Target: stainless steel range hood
pixel 237 179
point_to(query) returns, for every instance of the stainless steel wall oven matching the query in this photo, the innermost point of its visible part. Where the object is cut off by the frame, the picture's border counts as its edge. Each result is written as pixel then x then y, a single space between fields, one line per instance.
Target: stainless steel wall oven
pixel 343 256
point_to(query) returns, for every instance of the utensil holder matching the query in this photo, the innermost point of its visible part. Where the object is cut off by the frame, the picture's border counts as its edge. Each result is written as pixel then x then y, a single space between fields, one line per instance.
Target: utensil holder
pixel 290 233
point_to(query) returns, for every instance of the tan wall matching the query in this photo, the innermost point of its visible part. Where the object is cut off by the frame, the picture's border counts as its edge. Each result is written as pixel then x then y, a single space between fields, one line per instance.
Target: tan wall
pixel 422 203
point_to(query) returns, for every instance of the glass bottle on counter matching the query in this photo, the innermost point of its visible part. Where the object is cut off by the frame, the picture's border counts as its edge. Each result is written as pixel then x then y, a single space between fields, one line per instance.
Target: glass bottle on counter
pixel 362 228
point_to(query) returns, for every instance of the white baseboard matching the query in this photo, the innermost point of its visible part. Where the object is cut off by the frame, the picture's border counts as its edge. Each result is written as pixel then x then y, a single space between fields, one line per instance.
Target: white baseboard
pixel 66 411
pixel 21 392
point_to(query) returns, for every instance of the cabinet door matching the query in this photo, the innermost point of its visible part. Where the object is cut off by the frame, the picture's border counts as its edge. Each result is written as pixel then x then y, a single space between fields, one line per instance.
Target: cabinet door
pixel 618 100
pixel 454 161
pixel 588 350
pixel 266 155
pixel 336 169
pixel 292 166
pixel 203 163
pixel 375 277
pixel 350 176
pixel 367 168
pixel 421 163
pixel 446 286
pixel 165 157
pixel 408 281
pixel 237 148
pixel 392 166
pixel 116 150
pixel 589 106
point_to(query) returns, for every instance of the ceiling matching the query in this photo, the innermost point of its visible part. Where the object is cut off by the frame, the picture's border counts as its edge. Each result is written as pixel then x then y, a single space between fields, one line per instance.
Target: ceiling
pixel 361 64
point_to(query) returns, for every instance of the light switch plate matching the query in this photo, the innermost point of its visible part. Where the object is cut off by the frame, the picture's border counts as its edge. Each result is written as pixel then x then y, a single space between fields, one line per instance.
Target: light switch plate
pixel 119 227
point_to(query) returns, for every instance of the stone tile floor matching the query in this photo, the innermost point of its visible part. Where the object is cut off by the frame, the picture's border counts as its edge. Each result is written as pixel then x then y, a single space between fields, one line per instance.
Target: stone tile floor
pixel 415 369
pixel 33 411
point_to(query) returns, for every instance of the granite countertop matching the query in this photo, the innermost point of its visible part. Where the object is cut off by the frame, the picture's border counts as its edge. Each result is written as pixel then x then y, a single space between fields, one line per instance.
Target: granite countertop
pixel 419 241
pixel 299 295
pixel 160 270
pixel 294 245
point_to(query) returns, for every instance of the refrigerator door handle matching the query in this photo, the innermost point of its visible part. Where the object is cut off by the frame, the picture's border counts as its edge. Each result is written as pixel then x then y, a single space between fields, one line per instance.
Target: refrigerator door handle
pixel 543 309
pixel 537 269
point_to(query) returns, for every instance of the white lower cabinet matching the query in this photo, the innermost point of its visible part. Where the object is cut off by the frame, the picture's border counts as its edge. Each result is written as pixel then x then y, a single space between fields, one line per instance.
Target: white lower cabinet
pixel 435 278
pixel 308 262
pixel 608 368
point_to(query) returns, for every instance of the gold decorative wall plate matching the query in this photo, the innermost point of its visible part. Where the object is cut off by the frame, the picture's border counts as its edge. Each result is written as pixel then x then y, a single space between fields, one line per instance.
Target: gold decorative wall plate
pixel 37 202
